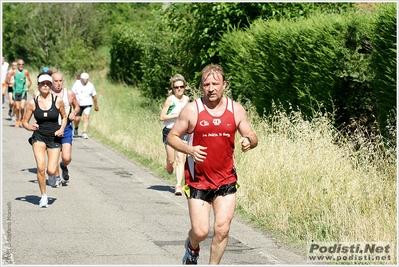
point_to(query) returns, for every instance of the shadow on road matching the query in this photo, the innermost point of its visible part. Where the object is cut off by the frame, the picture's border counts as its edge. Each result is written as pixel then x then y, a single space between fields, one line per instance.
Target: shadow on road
pixel 162 188
pixel 35 199
pixel 31 170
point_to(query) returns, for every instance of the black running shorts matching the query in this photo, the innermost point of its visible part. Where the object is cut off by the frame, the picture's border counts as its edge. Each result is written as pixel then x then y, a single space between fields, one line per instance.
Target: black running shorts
pixel 50 141
pixel 210 194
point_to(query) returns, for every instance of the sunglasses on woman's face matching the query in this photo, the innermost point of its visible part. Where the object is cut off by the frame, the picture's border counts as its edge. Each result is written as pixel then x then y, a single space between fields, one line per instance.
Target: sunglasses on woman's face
pixel 45 84
pixel 179 87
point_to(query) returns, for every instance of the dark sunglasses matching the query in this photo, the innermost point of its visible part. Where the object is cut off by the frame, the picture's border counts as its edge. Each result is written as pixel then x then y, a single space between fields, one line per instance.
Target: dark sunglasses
pixel 45 83
pixel 178 87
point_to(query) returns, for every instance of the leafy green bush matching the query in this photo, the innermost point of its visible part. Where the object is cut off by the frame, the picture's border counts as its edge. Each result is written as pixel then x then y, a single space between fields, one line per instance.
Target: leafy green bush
pixel 384 64
pixel 200 26
pixel 184 37
pixel 309 64
pixel 157 66
pixel 126 55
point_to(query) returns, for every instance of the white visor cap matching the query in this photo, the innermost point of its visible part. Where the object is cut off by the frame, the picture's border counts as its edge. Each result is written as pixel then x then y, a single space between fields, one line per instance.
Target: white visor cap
pixel 84 75
pixel 44 77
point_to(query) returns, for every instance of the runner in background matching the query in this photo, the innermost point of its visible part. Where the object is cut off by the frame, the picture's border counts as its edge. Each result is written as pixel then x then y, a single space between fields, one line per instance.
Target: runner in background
pixel 174 103
pixel 10 84
pixel 71 109
pixel 4 71
pixel 86 95
pixel 20 90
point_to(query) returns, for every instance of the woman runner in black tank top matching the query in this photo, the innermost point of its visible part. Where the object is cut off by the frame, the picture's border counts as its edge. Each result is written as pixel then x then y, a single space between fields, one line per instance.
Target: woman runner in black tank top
pixel 47 133
pixel 47 120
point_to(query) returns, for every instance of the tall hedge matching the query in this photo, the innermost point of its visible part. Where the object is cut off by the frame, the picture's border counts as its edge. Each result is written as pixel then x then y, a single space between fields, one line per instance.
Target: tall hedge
pixel 144 58
pixel 317 62
pixel 384 64
pixel 126 55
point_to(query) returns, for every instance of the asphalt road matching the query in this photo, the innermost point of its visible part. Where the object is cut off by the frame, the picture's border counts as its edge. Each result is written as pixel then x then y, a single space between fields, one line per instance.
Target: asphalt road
pixel 112 212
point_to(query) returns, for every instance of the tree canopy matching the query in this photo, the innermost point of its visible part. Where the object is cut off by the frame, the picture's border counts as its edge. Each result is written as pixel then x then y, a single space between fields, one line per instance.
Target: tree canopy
pixel 65 36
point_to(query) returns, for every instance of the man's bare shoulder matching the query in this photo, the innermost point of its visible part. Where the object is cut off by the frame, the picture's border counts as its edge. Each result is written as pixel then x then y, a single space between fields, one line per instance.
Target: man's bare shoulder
pixel 239 111
pixel 191 106
pixel 70 92
pixel 238 106
pixel 189 111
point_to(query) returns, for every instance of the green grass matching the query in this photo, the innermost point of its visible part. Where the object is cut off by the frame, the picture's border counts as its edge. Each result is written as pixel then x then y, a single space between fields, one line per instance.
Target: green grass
pixel 303 182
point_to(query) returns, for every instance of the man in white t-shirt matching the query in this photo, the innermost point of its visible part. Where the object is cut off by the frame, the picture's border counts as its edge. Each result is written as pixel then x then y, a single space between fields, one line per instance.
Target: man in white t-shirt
pixel 4 70
pixel 86 95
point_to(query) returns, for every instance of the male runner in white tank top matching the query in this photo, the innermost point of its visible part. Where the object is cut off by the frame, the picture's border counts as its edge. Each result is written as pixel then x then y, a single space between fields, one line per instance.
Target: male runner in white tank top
pixel 71 109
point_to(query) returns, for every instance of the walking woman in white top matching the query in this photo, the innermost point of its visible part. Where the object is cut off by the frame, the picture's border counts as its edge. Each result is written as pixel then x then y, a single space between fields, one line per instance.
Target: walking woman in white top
pixel 174 103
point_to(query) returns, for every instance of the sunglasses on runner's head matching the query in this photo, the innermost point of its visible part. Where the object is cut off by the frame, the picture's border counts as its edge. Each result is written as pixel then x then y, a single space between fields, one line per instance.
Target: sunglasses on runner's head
pixel 45 83
pixel 179 87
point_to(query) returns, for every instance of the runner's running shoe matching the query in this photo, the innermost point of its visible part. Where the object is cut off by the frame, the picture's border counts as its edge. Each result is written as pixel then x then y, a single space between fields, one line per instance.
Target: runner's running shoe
pixel 65 172
pixel 169 169
pixel 85 136
pixel 178 191
pixel 191 256
pixel 43 202
pixel 51 180
pixel 58 182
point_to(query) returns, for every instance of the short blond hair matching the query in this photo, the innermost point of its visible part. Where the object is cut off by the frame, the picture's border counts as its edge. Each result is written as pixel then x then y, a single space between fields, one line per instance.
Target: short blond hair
pixel 212 69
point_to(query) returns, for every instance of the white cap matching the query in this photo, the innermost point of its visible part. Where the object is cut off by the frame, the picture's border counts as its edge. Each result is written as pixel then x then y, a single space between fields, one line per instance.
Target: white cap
pixel 44 77
pixel 84 75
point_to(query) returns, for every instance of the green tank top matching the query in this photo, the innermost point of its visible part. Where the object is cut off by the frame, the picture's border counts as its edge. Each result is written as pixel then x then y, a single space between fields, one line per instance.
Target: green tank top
pixel 19 82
